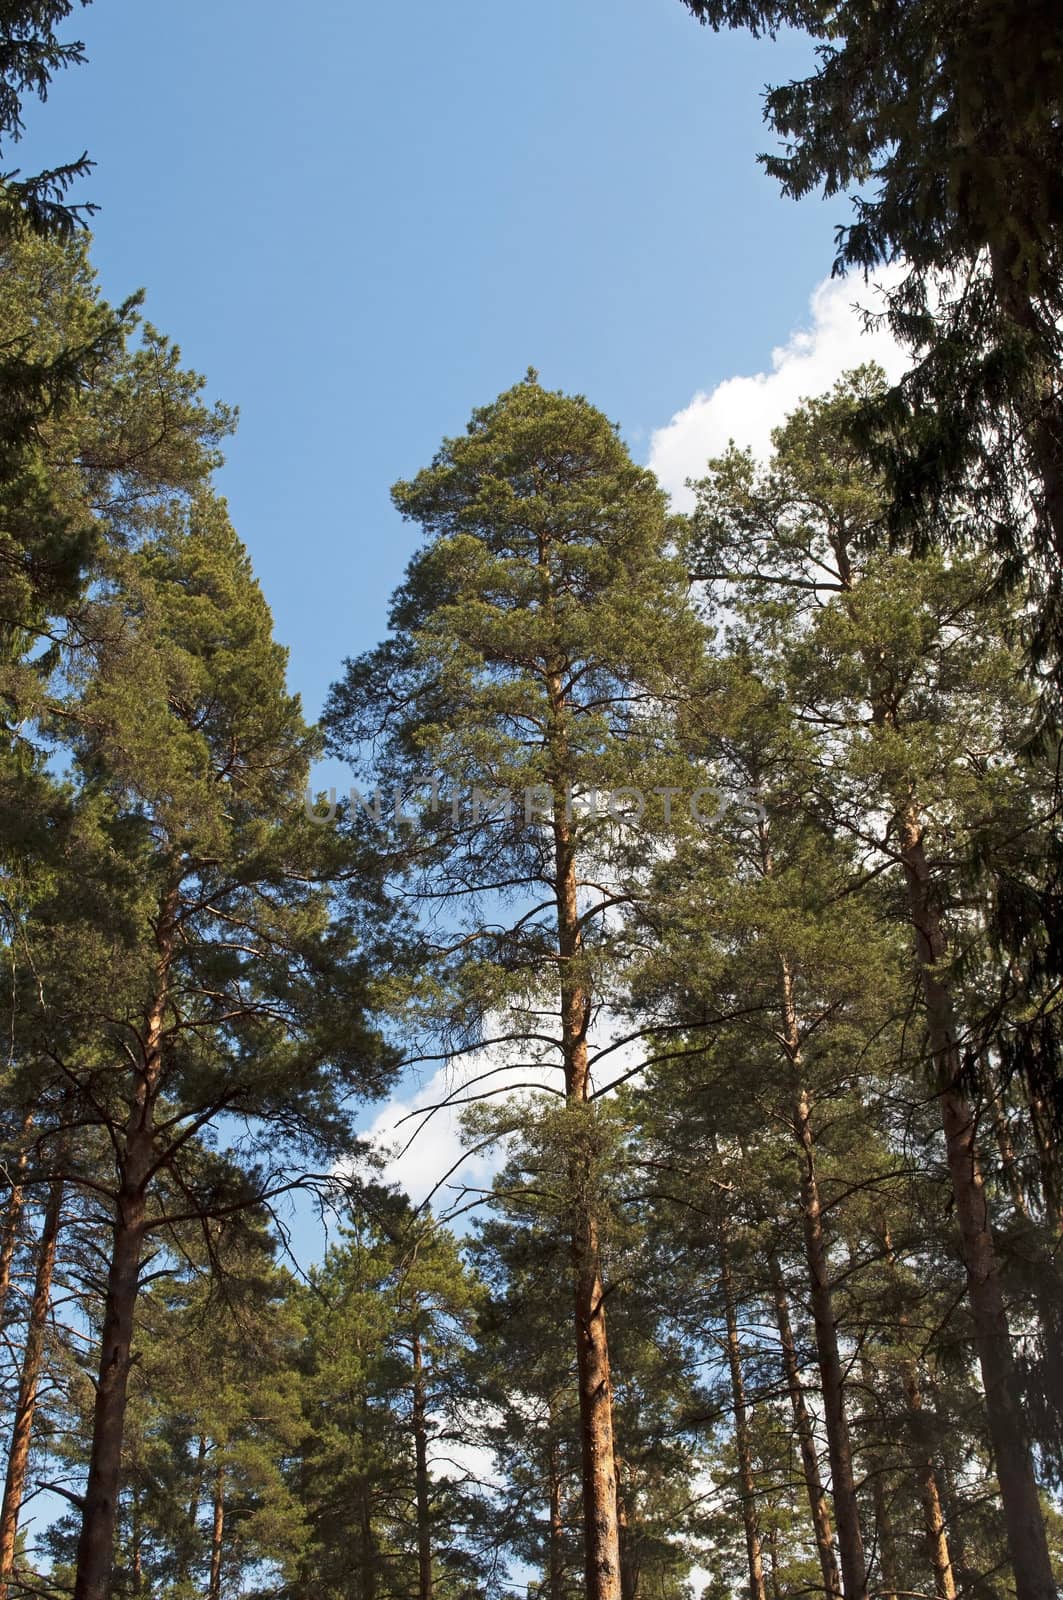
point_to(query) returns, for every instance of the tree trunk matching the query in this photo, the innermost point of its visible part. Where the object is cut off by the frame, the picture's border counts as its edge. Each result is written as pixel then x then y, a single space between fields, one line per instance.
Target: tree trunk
pixel 832 1380
pixel 29 1378
pixel 1008 1165
pixel 1048 1157
pixel 601 1531
pixel 937 1540
pixel 876 1459
pixel 136 1541
pixel 185 1560
pixel 95 1555
pixel 217 1535
pixel 556 1574
pixel 1027 1541
pixel 13 1214
pixel 368 1544
pixel 422 1482
pixel 885 1540
pixel 743 1443
pixel 630 1561
pixel 817 1497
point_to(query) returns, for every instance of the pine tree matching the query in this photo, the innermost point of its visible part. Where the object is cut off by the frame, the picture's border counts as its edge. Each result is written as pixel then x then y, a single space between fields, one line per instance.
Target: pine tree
pixel 943 126
pixel 537 632
pixel 907 676
pixel 194 971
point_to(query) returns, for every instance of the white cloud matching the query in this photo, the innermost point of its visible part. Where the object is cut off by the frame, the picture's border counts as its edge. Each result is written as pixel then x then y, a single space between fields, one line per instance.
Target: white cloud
pixel 746 409
pixel 427 1154
pixel 422 1150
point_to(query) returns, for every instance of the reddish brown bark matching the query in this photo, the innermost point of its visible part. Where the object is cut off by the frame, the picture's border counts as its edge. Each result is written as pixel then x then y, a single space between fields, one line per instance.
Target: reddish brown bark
pixel 831 1371
pixel 1027 1541
pixel 217 1535
pixel 368 1542
pixel 29 1379
pixel 817 1496
pixel 934 1526
pixel 95 1555
pixel 743 1442
pixel 883 1566
pixel 601 1529
pixel 421 1479
pixel 13 1213
pixel 630 1562
pixel 556 1559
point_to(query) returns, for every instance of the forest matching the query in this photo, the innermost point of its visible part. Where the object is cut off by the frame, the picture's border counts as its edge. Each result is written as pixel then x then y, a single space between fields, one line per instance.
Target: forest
pixel 715 855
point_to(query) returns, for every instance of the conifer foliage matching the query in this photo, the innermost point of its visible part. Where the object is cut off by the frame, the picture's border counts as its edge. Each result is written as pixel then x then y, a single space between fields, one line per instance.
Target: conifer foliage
pixel 709 863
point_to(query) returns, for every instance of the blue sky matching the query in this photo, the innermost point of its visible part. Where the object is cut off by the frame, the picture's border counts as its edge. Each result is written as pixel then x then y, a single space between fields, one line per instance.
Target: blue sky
pixel 359 221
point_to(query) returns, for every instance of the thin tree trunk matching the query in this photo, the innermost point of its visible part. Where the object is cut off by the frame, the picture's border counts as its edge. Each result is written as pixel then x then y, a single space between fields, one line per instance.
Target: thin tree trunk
pixel 1048 1156
pixel 743 1443
pixel 1027 1541
pixel 368 1544
pixel 817 1496
pixel 422 1484
pixel 556 1575
pixel 885 1541
pixel 773 1563
pixel 185 1562
pixel 832 1380
pixel 29 1379
pixel 13 1213
pixel 937 1540
pixel 601 1530
pixel 217 1535
pixel 934 1524
pixel 137 1545
pixel 95 1555
pixel 1008 1164
pixel 630 1560
pixel 953 1508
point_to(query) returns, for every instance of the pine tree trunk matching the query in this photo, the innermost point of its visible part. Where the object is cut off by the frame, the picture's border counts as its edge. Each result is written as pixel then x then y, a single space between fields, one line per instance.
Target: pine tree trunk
pixel 743 1443
pixel 630 1563
pixel 817 1496
pixel 1027 1541
pixel 1048 1155
pixel 29 1378
pixel 831 1372
pixel 556 1575
pixel 937 1540
pixel 601 1531
pixel 95 1555
pixel 885 1539
pixel 1008 1164
pixel 885 1543
pixel 136 1541
pixel 420 1441
pixel 13 1214
pixel 185 1561
pixel 368 1544
pixel 217 1535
